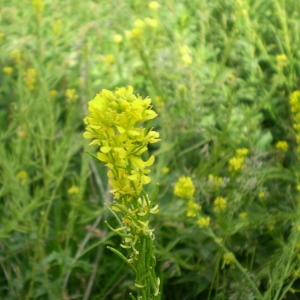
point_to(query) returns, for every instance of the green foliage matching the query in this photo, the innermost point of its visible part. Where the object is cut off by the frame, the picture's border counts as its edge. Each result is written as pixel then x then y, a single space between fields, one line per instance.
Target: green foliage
pixel 220 75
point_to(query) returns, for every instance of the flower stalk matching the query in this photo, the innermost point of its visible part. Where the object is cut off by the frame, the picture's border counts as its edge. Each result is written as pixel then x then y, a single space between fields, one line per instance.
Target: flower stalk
pixel 114 124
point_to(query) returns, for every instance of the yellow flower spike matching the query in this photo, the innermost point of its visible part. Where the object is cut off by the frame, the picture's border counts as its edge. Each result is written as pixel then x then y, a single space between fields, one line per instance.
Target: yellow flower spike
pixel 114 124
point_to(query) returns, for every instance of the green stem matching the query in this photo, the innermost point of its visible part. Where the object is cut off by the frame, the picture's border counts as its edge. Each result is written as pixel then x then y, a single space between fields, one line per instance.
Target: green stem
pixel 238 265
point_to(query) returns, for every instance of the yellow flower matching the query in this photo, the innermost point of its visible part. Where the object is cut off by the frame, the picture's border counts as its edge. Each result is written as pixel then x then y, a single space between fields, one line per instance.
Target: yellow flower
pixel 215 180
pixel 113 125
pixel 282 145
pixel 118 38
pixel 295 102
pixel 136 33
pixel 203 222
pixel 271 225
pixel 184 188
pixel 151 22
pixel 21 132
pixel 281 60
pixel 22 176
pixel 159 101
pixel 242 151
pixel 261 195
pixel 71 95
pixel 228 258
pixel 192 208
pixel 38 5
pixel 236 164
pixel 53 93
pixel 165 170
pixel 7 70
pixel 186 57
pixel 30 78
pixel 295 110
pixel 16 55
pixel 242 215
pixel 220 204
pixel 109 59
pixel 57 27
pixel 138 23
pixel 154 5
pixel 73 190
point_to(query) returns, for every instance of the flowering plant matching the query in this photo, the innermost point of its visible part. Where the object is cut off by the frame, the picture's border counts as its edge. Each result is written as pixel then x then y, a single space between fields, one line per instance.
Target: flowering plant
pixel 113 124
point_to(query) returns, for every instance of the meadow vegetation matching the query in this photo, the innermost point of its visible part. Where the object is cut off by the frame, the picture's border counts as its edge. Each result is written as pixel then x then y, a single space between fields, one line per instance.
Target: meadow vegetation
pixel 224 79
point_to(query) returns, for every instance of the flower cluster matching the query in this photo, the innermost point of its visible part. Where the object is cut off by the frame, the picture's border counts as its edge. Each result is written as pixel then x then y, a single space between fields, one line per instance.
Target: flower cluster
pixel 282 146
pixel 203 222
pixel 185 189
pixel 140 27
pixel 71 95
pixel 113 126
pixel 236 163
pixel 215 181
pixel 220 204
pixel 295 110
pixel 7 70
pixel 185 55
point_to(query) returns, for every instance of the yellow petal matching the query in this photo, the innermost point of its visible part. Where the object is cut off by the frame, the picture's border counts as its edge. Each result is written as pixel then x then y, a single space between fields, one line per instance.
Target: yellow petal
pixel 150 161
pixel 105 149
